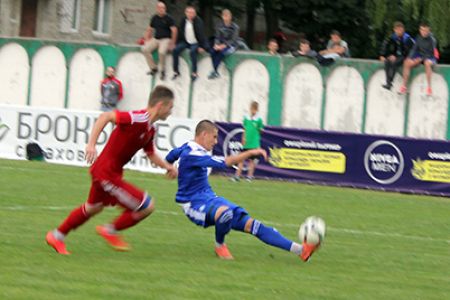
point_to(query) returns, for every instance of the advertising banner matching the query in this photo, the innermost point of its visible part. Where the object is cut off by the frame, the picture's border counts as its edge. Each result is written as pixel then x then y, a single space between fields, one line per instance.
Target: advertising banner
pixel 355 160
pixel 63 135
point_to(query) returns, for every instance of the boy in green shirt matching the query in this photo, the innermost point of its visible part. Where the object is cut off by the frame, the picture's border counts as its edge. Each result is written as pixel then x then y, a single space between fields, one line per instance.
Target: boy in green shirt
pixel 251 139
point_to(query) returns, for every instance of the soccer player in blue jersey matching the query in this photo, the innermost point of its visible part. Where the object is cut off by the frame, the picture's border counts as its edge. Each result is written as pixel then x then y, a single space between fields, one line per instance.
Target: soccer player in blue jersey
pixel 204 208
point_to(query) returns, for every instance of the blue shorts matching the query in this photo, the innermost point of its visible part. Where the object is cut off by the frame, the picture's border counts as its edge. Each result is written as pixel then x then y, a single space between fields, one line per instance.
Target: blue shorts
pixel 202 213
pixel 418 56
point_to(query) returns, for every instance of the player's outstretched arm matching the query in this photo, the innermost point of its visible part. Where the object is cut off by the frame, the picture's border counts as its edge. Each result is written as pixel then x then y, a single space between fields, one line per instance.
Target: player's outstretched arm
pixel 103 119
pixel 172 171
pixel 174 154
pixel 235 159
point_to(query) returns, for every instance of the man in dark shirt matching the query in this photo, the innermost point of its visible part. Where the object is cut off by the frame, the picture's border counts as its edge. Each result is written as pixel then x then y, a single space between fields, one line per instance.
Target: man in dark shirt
pixel 424 51
pixel 190 35
pixel 111 89
pixel 394 51
pixel 161 34
pixel 225 42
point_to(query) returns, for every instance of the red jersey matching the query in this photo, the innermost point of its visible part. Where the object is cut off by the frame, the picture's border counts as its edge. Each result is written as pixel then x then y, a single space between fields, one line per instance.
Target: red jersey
pixel 132 132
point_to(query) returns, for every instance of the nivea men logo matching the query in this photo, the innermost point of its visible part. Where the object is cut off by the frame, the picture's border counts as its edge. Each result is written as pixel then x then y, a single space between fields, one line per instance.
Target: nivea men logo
pixel 3 130
pixel 232 143
pixel 384 162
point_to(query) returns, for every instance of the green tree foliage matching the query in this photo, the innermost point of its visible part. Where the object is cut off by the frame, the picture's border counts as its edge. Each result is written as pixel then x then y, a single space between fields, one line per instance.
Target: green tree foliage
pixel 364 24
pixel 316 18
pixel 383 13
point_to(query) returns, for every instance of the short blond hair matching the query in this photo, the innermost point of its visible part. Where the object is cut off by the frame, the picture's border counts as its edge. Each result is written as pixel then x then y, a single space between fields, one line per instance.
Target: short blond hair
pixel 254 104
pixel 160 93
pixel 204 125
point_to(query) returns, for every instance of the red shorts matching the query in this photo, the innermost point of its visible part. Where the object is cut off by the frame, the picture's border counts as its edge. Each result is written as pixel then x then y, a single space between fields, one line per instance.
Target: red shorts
pixel 116 191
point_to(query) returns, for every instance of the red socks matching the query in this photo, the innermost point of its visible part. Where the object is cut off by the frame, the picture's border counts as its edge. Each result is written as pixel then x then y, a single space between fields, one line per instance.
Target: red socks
pixel 76 218
pixel 79 216
pixel 125 220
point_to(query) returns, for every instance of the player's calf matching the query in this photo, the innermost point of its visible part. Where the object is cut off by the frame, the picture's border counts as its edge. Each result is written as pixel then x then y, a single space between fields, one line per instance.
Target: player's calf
pixel 127 219
pixel 266 234
pixel 223 219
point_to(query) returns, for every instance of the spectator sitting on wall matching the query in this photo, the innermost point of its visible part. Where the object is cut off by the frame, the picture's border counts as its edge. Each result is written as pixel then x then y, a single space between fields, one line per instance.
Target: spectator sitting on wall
pixel 304 50
pixel 336 47
pixel 424 51
pixel 161 34
pixel 225 43
pixel 111 90
pixel 280 37
pixel 190 35
pixel 272 47
pixel 394 50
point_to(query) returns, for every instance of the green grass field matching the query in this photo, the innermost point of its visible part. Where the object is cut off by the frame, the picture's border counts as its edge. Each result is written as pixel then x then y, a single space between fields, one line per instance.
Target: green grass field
pixel 378 245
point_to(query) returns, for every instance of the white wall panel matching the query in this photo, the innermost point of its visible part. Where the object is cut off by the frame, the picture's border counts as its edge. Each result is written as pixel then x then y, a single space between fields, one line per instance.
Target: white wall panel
pixel 14 73
pixel 385 113
pixel 86 73
pixel 49 71
pixel 302 103
pixel 344 100
pixel 210 97
pixel 250 82
pixel 428 115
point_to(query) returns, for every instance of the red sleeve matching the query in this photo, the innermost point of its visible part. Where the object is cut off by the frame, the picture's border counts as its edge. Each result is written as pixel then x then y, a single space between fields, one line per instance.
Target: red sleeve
pixel 150 147
pixel 119 83
pixel 101 85
pixel 436 53
pixel 123 117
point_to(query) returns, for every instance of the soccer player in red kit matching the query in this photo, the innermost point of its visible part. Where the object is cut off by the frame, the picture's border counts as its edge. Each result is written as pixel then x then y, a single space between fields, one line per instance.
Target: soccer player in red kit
pixel 134 130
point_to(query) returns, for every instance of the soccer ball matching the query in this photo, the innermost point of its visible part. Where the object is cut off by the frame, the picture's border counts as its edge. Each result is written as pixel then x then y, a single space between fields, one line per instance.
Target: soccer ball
pixel 312 231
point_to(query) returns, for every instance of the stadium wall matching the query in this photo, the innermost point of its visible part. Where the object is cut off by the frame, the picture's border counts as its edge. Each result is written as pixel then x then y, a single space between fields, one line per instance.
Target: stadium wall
pixel 293 92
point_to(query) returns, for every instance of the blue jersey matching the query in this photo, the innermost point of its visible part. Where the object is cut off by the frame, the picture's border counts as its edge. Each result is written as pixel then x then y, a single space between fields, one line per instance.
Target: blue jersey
pixel 193 173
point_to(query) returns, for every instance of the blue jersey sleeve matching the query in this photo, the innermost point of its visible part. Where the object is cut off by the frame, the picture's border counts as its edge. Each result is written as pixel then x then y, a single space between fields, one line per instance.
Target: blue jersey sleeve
pixel 175 154
pixel 206 161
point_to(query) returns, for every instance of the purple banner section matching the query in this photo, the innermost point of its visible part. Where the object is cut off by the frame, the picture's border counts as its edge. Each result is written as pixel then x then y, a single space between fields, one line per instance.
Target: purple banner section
pixel 346 159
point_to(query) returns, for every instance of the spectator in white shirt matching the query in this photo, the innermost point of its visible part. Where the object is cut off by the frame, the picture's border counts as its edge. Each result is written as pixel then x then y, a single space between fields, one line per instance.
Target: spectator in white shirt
pixel 191 35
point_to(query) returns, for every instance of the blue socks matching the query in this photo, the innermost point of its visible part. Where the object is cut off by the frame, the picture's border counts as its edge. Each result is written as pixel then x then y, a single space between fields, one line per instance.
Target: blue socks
pixel 223 225
pixel 270 236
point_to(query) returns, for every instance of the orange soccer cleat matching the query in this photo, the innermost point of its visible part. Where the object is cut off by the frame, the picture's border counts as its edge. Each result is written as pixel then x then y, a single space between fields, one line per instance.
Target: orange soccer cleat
pixel 114 240
pixel 308 250
pixel 58 245
pixel 223 253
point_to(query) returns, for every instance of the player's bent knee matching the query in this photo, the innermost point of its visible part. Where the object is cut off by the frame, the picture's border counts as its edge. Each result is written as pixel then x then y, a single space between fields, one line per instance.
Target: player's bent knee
pixel 226 217
pixel 248 225
pixel 146 208
pixel 93 209
pixel 219 212
pixel 241 221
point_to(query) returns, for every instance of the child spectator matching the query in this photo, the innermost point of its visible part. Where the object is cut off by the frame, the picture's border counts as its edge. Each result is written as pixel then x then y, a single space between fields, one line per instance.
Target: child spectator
pixel 280 38
pixel 304 49
pixel 251 139
pixel 425 52
pixel 394 51
pixel 272 47
pixel 336 47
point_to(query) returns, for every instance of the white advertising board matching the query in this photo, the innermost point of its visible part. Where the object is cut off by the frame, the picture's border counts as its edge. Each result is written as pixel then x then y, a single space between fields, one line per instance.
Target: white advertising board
pixel 63 135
